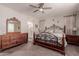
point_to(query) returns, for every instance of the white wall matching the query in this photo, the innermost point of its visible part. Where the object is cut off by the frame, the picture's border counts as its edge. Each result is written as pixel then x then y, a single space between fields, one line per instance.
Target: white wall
pixel 6 12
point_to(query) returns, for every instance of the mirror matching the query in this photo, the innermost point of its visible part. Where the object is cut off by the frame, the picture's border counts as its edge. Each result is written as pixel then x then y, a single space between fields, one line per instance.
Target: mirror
pixel 13 25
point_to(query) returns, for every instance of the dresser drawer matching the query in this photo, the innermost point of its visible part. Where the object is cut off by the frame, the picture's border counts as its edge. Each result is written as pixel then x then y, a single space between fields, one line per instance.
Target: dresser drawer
pixel 4 46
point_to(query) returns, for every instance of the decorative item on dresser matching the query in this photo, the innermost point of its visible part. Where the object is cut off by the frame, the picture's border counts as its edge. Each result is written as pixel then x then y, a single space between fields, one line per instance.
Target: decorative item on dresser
pixel 72 39
pixel 49 42
pixel 13 39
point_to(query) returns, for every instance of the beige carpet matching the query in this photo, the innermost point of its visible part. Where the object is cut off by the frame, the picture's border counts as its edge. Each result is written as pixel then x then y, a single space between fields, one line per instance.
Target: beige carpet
pixel 35 50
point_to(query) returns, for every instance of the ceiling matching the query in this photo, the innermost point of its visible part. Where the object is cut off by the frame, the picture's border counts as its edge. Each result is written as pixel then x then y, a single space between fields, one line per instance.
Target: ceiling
pixel 57 9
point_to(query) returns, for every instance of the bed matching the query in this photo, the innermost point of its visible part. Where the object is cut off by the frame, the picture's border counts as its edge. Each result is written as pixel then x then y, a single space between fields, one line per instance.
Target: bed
pixel 53 38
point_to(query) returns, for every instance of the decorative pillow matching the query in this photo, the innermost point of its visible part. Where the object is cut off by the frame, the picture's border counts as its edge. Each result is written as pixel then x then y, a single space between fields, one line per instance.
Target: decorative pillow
pixel 58 31
pixel 50 30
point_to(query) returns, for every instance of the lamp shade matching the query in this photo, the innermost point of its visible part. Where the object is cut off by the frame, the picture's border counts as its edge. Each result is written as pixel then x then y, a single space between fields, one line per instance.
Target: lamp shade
pixel 74 29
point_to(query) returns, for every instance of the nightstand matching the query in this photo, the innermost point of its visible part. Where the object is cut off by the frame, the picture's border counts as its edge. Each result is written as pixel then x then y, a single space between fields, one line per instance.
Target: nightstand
pixel 72 39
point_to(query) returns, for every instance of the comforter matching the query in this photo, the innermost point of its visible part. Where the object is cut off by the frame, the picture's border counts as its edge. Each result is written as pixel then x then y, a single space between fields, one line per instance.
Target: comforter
pixel 54 38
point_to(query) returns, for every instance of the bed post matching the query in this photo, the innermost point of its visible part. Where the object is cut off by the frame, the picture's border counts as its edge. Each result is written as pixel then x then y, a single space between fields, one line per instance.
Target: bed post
pixel 64 29
pixel 63 46
pixel 34 38
pixel 63 43
pixel 63 37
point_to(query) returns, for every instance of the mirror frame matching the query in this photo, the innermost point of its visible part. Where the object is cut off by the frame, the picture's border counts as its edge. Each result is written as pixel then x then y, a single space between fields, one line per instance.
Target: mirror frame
pixel 11 19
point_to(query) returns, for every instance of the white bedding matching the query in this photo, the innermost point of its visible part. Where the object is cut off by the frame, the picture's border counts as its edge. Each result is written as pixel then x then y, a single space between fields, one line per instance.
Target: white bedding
pixel 60 35
pixel 57 32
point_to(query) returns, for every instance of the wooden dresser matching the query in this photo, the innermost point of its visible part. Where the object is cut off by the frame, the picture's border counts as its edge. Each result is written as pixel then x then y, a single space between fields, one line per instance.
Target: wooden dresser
pixel 13 39
pixel 72 39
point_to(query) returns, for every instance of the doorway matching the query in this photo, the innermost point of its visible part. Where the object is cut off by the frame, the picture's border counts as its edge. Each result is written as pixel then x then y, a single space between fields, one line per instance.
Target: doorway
pixel 30 31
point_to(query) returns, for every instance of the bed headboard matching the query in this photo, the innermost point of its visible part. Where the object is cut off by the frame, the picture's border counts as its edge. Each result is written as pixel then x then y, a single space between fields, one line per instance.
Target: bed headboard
pixel 54 27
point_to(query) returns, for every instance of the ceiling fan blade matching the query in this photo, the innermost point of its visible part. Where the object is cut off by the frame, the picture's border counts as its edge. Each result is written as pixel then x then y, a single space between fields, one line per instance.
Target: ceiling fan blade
pixel 41 5
pixel 47 8
pixel 33 6
pixel 35 11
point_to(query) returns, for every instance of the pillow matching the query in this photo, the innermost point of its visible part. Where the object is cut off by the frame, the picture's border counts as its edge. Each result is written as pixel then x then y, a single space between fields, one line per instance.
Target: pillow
pixel 58 34
pixel 50 31
pixel 58 31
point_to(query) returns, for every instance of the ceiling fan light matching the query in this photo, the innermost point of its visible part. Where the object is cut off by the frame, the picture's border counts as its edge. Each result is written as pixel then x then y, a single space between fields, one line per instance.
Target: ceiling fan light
pixel 40 9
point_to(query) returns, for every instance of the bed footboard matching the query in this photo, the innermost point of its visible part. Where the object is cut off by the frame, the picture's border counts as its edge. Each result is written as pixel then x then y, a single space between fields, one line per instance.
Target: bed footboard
pixel 60 49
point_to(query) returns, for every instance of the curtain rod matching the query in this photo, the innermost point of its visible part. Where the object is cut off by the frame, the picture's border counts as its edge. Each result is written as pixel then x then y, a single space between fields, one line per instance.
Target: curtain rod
pixel 71 15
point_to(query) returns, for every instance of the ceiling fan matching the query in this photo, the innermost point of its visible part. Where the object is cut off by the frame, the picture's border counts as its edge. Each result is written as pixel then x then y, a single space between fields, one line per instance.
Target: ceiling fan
pixel 40 7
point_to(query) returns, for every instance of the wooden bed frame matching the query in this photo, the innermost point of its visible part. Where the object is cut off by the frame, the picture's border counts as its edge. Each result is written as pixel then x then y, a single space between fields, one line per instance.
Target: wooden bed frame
pixel 60 49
